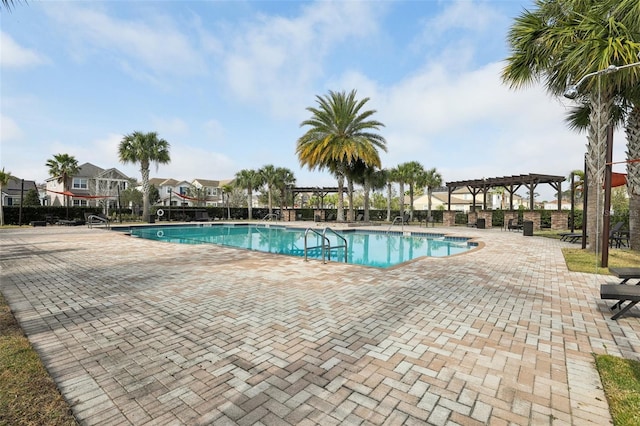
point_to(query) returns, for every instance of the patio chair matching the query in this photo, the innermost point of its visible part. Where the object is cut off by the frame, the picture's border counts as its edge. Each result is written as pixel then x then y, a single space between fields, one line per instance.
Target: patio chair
pixel 202 216
pixel 616 236
pixel 621 293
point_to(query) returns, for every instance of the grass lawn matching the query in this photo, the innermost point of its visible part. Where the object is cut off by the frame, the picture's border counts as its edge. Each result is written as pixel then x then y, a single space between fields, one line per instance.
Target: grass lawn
pixel 28 395
pixel 621 382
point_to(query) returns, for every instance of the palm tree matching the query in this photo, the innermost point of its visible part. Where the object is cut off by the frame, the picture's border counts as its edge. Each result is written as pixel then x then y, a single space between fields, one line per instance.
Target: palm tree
pixel 339 135
pixel 144 148
pixel 286 179
pixel 413 173
pixel 227 190
pixel 5 177
pixel 633 173
pixel 392 176
pixel 557 41
pixel 270 179
pixel 8 4
pixel 624 108
pixel 371 179
pixel 432 180
pixel 63 167
pixel 250 180
pixel 402 176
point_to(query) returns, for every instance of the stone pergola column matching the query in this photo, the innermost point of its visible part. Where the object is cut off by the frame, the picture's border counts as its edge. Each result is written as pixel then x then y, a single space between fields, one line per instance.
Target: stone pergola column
pixel 559 220
pixel 449 218
pixel 487 215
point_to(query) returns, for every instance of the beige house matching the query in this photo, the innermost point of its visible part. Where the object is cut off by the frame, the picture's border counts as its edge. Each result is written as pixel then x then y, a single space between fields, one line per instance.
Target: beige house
pixel 92 186
pixel 462 200
pixel 198 192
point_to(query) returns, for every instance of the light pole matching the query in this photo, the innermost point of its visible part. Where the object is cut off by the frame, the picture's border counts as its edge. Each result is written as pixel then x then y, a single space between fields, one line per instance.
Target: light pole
pixel 572 92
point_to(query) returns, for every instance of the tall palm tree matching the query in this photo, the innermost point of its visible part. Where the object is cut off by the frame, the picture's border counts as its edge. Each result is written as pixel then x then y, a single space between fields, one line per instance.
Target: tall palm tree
pixel 339 134
pixel 413 172
pixel 5 177
pixel 250 180
pixel 371 179
pixel 226 192
pixel 392 176
pixel 9 4
pixel 625 112
pixel 432 180
pixel 403 176
pixel 633 173
pixel 63 167
pixel 144 148
pixel 286 179
pixel 270 179
pixel 557 41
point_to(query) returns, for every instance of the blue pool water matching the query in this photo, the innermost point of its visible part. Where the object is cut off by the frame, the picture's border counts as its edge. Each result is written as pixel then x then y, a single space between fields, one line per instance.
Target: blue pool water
pixel 380 249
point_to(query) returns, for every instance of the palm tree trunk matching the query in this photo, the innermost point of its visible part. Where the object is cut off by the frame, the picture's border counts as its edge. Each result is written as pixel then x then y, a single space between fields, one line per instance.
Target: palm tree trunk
pixel 350 194
pixel 250 203
pixel 144 172
pixel 389 196
pixel 401 198
pixel 599 119
pixel 633 176
pixel 429 193
pixel 411 202
pixel 367 189
pixel 340 215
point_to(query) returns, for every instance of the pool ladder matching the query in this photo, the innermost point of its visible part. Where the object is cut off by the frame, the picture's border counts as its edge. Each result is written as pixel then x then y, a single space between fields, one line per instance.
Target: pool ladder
pixel 325 247
pixel 395 219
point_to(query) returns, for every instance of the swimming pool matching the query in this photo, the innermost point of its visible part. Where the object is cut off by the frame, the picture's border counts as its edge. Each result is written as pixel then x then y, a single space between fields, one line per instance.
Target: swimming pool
pixel 380 249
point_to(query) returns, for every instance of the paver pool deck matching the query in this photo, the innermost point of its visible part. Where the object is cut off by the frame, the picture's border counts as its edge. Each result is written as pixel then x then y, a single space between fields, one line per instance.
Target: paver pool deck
pixel 138 332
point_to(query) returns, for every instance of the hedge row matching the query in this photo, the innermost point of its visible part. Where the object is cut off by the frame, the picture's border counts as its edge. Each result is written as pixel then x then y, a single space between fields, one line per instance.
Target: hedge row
pixel 13 215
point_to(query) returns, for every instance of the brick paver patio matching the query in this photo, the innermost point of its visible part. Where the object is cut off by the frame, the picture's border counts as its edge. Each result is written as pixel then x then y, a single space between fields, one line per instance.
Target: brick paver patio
pixel 136 332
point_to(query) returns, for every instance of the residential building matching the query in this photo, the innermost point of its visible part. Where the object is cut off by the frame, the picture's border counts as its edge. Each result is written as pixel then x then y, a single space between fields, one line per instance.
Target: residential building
pixel 462 200
pixel 15 189
pixel 199 192
pixel 92 186
pixel 566 205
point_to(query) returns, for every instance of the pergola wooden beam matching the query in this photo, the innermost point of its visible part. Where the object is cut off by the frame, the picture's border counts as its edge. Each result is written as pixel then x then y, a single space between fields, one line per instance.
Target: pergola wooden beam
pixel 511 185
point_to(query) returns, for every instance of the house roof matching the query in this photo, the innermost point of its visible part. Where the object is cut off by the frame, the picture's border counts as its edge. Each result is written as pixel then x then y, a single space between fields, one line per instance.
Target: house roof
pixel 163 182
pixel 14 186
pixel 206 182
pixel 89 170
pixel 112 173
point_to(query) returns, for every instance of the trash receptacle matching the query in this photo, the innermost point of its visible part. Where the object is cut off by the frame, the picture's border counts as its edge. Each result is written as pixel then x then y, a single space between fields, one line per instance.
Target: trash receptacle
pixel 152 218
pixel 527 228
pixel 480 223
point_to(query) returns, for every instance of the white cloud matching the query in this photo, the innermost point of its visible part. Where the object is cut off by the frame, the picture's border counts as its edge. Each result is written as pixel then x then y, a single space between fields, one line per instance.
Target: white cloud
pixel 275 60
pixel 153 43
pixel 214 130
pixel 12 55
pixel 9 129
pixel 462 14
pixel 170 128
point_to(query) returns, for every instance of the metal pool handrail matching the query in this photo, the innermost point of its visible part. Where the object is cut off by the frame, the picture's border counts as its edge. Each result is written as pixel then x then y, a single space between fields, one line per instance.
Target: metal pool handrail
pixel 322 247
pixel 324 234
pixel 394 222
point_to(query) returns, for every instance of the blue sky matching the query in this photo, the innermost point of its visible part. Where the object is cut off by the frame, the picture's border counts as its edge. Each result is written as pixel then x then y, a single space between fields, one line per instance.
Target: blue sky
pixel 226 83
